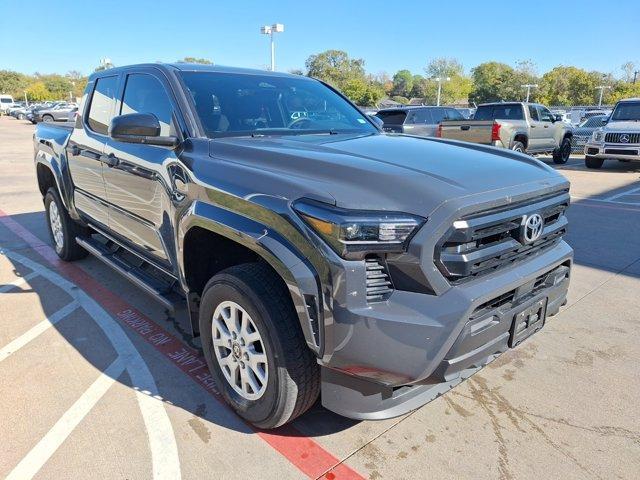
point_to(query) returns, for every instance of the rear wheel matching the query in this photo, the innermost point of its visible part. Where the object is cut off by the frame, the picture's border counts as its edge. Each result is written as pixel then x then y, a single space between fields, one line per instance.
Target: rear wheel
pixel 593 162
pixel 254 347
pixel 21 116
pixel 518 147
pixel 62 228
pixel 561 154
pixel 47 118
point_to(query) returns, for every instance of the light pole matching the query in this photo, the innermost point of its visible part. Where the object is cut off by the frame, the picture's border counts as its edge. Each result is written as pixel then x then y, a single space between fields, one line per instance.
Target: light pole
pixel 26 100
pixel 270 30
pixel 529 86
pixel 440 80
pixel 602 88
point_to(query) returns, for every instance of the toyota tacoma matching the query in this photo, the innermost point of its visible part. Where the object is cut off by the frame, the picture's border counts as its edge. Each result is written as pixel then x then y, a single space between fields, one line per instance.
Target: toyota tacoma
pixel 314 254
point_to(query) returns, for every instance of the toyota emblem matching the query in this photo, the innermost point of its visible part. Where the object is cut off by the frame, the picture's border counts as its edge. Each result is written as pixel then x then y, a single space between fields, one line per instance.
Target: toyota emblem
pixel 624 138
pixel 532 230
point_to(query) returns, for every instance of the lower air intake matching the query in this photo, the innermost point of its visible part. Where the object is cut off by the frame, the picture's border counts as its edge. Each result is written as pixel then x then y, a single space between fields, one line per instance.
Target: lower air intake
pixel 379 285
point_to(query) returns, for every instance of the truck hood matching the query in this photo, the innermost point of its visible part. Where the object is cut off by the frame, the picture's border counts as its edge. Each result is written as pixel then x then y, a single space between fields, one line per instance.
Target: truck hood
pixel 386 172
pixel 626 126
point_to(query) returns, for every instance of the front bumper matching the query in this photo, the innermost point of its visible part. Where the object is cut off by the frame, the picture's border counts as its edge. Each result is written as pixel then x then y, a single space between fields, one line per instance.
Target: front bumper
pixel 397 355
pixel 613 151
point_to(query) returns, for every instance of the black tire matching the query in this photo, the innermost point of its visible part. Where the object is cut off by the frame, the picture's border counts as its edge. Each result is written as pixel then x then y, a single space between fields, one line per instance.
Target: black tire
pixel 518 147
pixel 69 250
pixel 293 383
pixel 562 153
pixel 21 116
pixel 47 118
pixel 593 162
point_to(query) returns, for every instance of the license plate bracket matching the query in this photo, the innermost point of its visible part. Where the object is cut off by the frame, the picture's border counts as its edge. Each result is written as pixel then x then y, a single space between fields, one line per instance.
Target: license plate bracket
pixel 528 321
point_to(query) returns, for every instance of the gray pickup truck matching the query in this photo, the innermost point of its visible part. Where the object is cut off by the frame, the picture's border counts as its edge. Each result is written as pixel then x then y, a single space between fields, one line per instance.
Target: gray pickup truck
pixel 314 254
pixel 523 127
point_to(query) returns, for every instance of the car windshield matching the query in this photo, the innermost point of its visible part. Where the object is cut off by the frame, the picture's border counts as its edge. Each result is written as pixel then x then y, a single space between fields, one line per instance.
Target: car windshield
pixel 231 104
pixel 593 122
pixel 626 111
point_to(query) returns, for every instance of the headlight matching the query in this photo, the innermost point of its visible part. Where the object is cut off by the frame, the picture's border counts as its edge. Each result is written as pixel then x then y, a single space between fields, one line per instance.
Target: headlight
pixel 354 232
pixel 597 136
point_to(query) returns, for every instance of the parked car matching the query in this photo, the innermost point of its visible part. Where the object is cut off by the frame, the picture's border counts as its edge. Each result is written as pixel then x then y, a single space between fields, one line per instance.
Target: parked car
pixel 316 254
pixel 619 139
pixel 419 120
pixel 16 106
pixel 58 113
pixel 523 127
pixel 6 101
pixel 20 113
pixel 582 133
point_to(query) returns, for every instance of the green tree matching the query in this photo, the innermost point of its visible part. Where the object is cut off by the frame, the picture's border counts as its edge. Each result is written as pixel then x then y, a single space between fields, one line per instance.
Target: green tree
pixel 402 83
pixel 494 82
pixel 570 86
pixel 624 90
pixel 13 83
pixel 204 61
pixel 335 67
pixel 362 93
pixel 37 92
pixel 444 67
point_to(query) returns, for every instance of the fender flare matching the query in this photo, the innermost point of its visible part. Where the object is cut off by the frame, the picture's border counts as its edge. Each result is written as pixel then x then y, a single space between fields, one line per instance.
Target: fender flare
pixel 57 165
pixel 298 274
pixel 519 133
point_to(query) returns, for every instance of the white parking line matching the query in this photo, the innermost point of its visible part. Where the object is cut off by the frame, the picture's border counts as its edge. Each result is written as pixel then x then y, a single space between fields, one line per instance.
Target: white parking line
pixel 164 451
pixel 16 283
pixel 46 447
pixel 36 330
pixel 615 197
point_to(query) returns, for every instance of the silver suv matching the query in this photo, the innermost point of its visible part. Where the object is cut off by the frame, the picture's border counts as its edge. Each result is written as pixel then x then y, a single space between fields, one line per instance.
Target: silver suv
pixel 619 139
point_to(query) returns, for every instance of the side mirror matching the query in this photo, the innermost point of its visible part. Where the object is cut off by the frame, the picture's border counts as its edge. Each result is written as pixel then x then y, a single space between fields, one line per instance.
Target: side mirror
pixel 557 117
pixel 605 120
pixel 139 128
pixel 377 120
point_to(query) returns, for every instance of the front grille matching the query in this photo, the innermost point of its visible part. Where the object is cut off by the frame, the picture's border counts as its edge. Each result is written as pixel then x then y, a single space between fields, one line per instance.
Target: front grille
pixel 615 137
pixel 619 151
pixel 480 244
pixel 379 285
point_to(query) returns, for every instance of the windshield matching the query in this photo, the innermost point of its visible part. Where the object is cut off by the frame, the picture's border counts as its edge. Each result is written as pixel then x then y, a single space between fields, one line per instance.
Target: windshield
pixel 593 122
pixel 231 104
pixel 626 111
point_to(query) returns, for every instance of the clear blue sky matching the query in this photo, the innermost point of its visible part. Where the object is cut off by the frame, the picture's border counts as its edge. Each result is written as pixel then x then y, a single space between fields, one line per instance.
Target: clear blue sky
pixel 388 35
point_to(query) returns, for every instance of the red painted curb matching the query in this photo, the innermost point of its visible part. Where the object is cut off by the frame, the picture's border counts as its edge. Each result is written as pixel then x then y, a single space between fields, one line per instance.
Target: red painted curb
pixel 303 452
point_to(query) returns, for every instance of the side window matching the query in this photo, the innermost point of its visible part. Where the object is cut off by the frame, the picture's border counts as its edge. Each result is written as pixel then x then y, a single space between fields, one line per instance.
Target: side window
pixel 545 115
pixel 145 94
pixel 419 116
pixel 453 114
pixel 533 113
pixel 437 115
pixel 101 104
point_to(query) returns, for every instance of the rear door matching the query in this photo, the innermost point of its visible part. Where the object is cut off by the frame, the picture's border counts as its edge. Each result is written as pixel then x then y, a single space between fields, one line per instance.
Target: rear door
pixel 418 122
pixel 536 129
pixel 548 128
pixel 136 187
pixel 85 147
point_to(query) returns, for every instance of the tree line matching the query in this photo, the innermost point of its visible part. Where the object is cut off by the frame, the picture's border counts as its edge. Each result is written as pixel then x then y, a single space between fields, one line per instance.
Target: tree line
pixel 487 82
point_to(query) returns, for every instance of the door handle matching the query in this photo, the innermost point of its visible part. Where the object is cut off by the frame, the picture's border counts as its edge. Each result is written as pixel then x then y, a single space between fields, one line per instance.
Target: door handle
pixel 546 126
pixel 465 127
pixel 75 150
pixel 110 160
pixel 533 126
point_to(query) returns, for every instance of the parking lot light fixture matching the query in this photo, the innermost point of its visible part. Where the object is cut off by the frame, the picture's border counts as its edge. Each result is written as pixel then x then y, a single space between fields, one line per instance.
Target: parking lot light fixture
pixel 271 30
pixel 440 80
pixel 529 86
pixel 602 88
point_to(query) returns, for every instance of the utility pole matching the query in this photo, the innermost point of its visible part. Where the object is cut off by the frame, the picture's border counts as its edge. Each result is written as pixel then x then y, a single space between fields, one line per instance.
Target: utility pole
pixel 635 75
pixel 529 86
pixel 270 30
pixel 440 80
pixel 602 88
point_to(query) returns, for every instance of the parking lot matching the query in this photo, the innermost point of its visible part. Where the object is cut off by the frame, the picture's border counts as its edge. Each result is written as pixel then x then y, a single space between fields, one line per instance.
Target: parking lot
pixel 97 381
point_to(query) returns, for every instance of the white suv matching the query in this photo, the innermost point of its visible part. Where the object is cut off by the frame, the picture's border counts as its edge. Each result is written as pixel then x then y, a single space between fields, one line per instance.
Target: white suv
pixel 6 101
pixel 619 139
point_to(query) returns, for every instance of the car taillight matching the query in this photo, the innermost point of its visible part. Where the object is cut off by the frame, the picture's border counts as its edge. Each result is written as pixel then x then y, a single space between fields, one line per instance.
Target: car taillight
pixel 439 131
pixel 495 132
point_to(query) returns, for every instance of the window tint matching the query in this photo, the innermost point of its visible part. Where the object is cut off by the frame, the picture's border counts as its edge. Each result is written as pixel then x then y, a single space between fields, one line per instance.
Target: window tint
pixel 453 114
pixel 545 115
pixel 392 117
pixel 419 116
pixel 533 113
pixel 626 111
pixel 101 104
pixel 6 100
pixel 145 94
pixel 499 112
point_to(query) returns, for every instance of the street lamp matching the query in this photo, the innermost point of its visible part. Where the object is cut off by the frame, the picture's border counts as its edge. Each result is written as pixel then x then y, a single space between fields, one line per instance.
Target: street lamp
pixel 529 86
pixel 270 30
pixel 602 88
pixel 440 80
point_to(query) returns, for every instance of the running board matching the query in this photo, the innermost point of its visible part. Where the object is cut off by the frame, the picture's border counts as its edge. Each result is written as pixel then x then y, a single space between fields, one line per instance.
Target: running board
pixel 143 274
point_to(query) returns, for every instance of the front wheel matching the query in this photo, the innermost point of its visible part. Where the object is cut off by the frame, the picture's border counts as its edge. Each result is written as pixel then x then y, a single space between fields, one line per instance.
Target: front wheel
pixel 62 228
pixel 47 118
pixel 518 147
pixel 593 162
pixel 21 116
pixel 561 154
pixel 254 347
